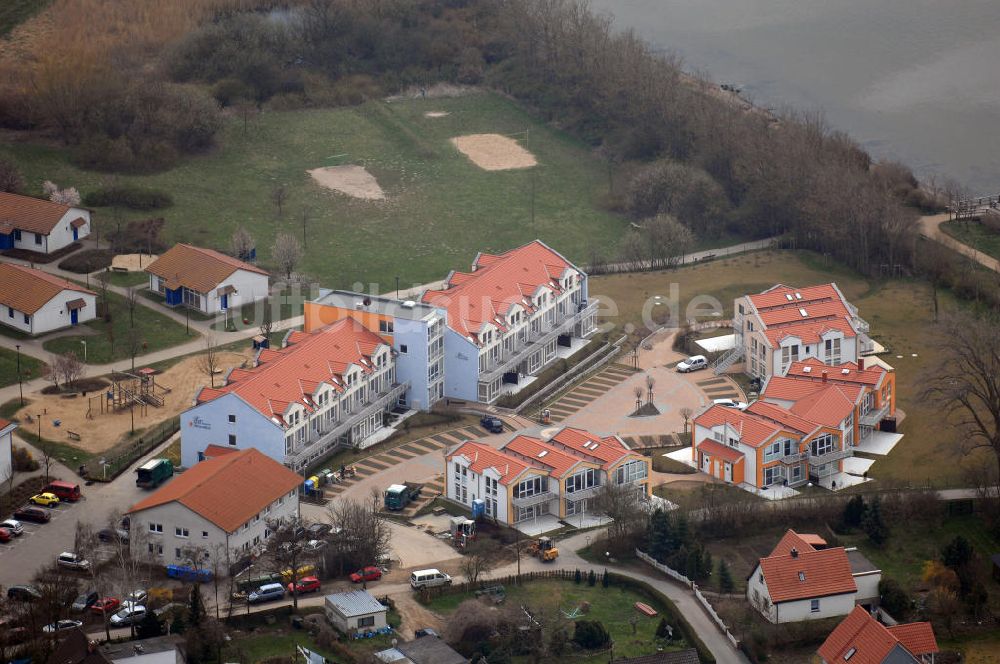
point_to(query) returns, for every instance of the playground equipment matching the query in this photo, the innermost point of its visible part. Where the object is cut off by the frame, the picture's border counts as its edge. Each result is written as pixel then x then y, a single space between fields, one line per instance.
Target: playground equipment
pixel 128 390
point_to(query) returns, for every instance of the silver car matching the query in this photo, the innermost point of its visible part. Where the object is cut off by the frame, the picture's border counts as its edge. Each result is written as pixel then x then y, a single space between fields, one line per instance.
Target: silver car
pixel 15 527
pixel 132 613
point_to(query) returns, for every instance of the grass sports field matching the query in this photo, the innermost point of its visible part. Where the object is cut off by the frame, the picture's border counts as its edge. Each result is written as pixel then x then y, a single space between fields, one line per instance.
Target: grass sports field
pixel 440 208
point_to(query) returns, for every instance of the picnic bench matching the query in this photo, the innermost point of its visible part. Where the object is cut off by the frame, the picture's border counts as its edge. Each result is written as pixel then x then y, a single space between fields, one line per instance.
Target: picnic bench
pixel 73 435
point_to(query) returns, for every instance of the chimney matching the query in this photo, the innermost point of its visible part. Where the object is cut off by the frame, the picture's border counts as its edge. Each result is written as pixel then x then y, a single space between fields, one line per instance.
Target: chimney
pixel 794 552
pixel 824 375
pixel 861 364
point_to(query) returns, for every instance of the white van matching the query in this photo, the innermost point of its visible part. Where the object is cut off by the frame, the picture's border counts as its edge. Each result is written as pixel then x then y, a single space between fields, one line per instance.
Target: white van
pixel 428 578
pixel 693 363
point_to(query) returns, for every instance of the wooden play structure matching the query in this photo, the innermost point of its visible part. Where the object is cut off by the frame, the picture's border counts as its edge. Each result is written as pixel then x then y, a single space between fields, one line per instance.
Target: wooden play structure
pixel 128 390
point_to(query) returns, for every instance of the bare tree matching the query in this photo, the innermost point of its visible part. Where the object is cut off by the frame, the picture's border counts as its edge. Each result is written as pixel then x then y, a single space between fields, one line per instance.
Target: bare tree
pixel 279 195
pixel 266 324
pixel 50 371
pixel 286 253
pixel 10 177
pixel 360 535
pixel 241 243
pixel 638 392
pixel 686 412
pixel 87 540
pixel 650 383
pixel 133 343
pixel 620 503
pixel 131 302
pixel 70 368
pixel 287 552
pixel 130 556
pixel 103 281
pixel 481 557
pixel 208 362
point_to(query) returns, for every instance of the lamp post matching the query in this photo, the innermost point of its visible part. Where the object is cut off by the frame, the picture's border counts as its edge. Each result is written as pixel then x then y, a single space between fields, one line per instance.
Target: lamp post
pixel 20 383
pixel 84 342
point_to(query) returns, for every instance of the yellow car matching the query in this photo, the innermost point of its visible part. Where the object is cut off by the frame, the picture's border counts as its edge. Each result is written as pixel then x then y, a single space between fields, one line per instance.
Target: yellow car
pixel 46 499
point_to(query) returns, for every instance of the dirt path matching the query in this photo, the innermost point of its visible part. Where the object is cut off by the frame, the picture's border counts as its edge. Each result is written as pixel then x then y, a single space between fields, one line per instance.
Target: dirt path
pixel 416 616
pixel 931 227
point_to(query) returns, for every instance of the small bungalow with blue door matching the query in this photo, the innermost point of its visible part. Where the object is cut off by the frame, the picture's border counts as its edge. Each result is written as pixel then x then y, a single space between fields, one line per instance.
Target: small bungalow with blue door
pixel 205 280
pixel 36 302
pixel 39 225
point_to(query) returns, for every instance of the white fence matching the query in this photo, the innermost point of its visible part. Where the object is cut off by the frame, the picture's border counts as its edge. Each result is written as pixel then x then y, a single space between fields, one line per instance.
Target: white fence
pixel 680 578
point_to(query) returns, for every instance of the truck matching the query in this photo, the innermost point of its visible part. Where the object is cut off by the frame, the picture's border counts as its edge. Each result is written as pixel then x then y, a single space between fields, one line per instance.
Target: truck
pixel 398 496
pixel 153 473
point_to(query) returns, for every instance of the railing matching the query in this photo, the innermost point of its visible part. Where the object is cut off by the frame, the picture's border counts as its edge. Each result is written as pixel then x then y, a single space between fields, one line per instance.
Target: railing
pixel 721 365
pixel 790 459
pixel 580 494
pixel 823 459
pixel 873 417
pixel 536 499
pixel 508 361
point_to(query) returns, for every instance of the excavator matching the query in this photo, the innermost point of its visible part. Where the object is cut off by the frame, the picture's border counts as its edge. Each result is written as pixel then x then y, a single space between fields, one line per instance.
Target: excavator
pixel 543 549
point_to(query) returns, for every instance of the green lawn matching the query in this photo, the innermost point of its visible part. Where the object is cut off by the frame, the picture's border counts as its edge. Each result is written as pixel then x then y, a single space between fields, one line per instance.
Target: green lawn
pixel 30 367
pixel 974 234
pixel 612 606
pixel 901 314
pixel 155 330
pixel 126 279
pixel 15 12
pixel 440 208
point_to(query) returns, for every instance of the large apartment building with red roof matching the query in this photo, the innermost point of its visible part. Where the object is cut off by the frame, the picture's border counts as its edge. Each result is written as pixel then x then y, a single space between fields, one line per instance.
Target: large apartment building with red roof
pixel 509 317
pixel 533 478
pixel 320 390
pixel 39 225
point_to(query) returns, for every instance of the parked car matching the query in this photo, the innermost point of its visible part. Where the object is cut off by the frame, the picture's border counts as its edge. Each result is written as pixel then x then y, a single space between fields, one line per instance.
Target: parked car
pixel 317 530
pixel 5 535
pixel 424 631
pixel 85 600
pixel 137 597
pixel 60 625
pixel 112 535
pixel 491 423
pixel 131 613
pixel 14 526
pixel 64 490
pixel 310 584
pixel 693 363
pixel 23 593
pixel 731 403
pixel 33 514
pixel 369 573
pixel 72 561
pixel 266 593
pixel 106 605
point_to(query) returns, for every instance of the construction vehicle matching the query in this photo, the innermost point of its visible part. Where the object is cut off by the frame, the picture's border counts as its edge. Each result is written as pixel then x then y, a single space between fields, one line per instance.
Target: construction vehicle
pixel 398 496
pixel 463 531
pixel 154 473
pixel 543 549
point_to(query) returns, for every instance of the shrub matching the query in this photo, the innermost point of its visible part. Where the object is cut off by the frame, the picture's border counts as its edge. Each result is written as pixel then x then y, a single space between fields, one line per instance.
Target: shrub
pixel 591 635
pixel 895 600
pixel 87 261
pixel 10 177
pixel 134 198
pixel 22 460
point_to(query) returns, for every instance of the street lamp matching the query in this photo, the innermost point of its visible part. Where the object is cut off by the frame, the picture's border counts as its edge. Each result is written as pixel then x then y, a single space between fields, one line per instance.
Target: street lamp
pixel 84 342
pixel 20 383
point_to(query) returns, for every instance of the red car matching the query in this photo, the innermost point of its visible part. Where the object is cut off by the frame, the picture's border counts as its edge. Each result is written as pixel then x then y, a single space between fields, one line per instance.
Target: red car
pixel 106 605
pixel 4 535
pixel 367 574
pixel 308 584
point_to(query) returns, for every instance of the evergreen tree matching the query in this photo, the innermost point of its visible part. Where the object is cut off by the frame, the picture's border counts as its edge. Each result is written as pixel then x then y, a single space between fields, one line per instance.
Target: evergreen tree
pixel 660 539
pixel 692 566
pixel 680 534
pixel 726 585
pixel 578 577
pixel 591 579
pixel 957 553
pixel 196 607
pixel 874 525
pixel 149 626
pixel 854 511
pixel 605 581
pixel 706 565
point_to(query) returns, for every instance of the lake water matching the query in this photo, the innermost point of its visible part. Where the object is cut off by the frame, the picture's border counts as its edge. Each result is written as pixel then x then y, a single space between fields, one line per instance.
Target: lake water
pixel 914 80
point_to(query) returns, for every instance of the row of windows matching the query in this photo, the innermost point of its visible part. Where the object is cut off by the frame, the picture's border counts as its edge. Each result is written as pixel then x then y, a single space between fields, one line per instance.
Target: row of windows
pixel 10 314
pixel 17 236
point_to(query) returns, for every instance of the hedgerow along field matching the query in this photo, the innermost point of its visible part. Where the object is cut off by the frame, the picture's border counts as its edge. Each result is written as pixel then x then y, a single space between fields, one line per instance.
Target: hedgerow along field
pixel 440 208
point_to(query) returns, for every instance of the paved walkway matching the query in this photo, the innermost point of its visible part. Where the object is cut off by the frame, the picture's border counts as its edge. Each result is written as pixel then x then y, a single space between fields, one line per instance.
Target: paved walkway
pixel 930 227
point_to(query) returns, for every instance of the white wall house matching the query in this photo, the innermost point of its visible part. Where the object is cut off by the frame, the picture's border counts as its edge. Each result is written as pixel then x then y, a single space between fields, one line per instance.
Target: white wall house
pixel 222 504
pixel 35 302
pixel 355 612
pixel 6 447
pixel 39 225
pixel 509 318
pixel 206 280
pixel 319 391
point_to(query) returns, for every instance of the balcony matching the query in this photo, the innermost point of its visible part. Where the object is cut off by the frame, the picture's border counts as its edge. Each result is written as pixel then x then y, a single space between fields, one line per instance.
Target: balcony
pixel 507 361
pixel 580 494
pixel 823 459
pixel 873 417
pixel 333 431
pixel 791 459
pixel 536 499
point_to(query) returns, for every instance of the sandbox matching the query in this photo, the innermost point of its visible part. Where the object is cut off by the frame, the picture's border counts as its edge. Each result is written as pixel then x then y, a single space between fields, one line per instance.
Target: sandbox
pixel 354 181
pixel 493 152
pixel 132 262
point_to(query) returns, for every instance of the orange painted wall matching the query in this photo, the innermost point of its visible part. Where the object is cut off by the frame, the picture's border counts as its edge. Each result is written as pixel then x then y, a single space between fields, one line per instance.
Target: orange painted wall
pixel 320 315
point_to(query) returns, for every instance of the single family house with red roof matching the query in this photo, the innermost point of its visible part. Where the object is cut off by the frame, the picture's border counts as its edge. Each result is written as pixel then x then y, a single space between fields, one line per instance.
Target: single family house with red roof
pixel 530 477
pixel 509 317
pixel 804 579
pixel 39 225
pixel 295 404
pixel 222 504
pixel 36 302
pixel 861 639
pixel 206 280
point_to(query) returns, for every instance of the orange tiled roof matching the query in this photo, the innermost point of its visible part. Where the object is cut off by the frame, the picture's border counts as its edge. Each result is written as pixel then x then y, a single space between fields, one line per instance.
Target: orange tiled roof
pixel 798 541
pixel 782 416
pixel 754 430
pixel 214 450
pixel 6 423
pixel 27 290
pixel 227 490
pixel 828 407
pixel 196 268
pixel 607 451
pixel 808 575
pixel 34 215
pixel 872 642
pixel 812 369
pixel 916 637
pixel 717 449
pixel 780 309
pixel 293 373
pixel 540 454
pixel 496 283
pixel 481 457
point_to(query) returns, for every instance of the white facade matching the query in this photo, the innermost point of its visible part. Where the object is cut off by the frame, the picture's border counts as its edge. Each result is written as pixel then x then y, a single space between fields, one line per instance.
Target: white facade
pixel 53 315
pixel 62 233
pixel 6 463
pixel 464 485
pixel 812 608
pixel 249 287
pixel 171 530
pixel 352 622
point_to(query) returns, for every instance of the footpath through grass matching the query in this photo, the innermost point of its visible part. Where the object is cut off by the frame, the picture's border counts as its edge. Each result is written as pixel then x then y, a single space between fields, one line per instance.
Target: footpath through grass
pixel 15 12
pixel 974 234
pixel 440 209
